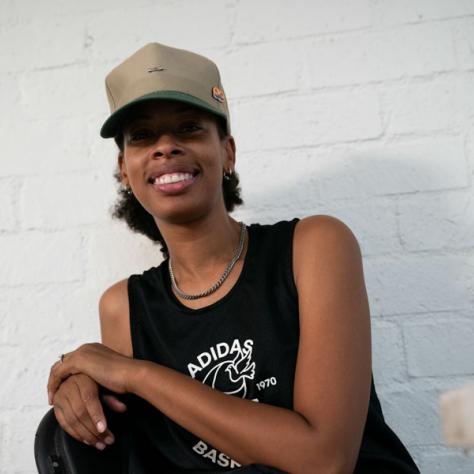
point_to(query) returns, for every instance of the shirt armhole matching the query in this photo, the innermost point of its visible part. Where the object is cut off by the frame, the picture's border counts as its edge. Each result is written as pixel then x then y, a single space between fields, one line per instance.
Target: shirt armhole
pixel 290 277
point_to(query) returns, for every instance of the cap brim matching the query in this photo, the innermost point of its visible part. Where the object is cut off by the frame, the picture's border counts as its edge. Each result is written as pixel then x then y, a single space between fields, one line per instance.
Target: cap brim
pixel 111 126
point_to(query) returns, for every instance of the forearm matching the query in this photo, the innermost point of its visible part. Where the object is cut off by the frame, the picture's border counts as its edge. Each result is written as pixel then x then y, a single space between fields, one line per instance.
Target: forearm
pixel 247 431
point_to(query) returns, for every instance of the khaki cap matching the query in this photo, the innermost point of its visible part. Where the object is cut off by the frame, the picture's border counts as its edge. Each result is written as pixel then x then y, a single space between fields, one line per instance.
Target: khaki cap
pixel 156 72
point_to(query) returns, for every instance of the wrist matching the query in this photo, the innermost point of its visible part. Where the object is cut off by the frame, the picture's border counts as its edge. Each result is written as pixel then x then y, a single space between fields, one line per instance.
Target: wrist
pixel 137 374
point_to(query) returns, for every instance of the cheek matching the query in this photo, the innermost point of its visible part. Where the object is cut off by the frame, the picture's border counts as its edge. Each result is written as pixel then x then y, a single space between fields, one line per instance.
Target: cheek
pixel 133 166
pixel 217 171
pixel 216 160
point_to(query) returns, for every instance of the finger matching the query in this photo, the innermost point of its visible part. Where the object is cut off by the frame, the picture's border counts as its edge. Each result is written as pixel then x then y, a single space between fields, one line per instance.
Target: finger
pixel 59 372
pixel 65 425
pixel 89 394
pixel 74 423
pixel 50 394
pixel 75 414
pixel 114 403
pixel 86 397
pixel 79 419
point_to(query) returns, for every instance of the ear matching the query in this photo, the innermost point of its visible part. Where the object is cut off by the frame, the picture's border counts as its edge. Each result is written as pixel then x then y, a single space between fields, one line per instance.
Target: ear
pixel 123 169
pixel 230 152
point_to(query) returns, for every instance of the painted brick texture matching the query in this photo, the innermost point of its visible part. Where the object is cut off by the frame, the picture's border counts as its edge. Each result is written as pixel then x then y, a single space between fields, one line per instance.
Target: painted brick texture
pixel 360 109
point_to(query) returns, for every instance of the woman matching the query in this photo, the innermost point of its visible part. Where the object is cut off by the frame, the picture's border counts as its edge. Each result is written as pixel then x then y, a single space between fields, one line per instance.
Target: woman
pixel 276 316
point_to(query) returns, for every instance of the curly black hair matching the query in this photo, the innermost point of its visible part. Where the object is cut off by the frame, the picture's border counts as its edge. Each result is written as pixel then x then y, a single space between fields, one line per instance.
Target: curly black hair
pixel 128 208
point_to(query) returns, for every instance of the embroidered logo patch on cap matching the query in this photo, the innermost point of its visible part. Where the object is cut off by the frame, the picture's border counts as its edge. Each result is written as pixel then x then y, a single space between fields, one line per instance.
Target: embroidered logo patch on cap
pixel 156 69
pixel 218 94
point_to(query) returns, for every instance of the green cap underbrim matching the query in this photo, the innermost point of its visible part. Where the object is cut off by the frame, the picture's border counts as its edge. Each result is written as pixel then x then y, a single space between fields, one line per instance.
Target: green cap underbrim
pixel 111 126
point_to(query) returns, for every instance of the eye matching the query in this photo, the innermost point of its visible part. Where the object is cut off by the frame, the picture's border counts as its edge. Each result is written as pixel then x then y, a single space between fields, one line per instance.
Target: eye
pixel 189 127
pixel 140 135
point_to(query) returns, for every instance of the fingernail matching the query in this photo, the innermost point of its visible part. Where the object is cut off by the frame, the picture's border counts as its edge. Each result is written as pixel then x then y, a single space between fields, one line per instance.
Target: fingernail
pixel 100 445
pixel 86 442
pixel 109 439
pixel 101 426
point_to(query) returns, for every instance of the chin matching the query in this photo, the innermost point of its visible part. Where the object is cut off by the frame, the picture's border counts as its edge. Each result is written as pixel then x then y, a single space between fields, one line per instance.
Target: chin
pixel 180 214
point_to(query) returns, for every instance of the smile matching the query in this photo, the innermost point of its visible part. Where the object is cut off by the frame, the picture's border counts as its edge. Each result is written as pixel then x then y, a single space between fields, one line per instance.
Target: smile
pixel 171 183
pixel 172 178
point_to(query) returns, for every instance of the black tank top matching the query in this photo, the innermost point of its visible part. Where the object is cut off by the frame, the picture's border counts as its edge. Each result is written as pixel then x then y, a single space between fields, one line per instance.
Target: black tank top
pixel 245 345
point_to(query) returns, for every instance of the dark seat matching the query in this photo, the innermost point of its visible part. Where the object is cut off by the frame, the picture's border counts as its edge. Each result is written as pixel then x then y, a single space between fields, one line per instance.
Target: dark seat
pixel 56 452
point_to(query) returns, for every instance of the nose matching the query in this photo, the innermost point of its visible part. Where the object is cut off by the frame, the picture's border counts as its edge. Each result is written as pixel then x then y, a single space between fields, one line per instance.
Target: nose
pixel 166 146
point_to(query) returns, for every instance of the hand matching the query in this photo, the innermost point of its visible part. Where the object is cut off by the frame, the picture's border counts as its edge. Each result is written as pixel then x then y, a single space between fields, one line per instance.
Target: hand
pixel 108 368
pixel 79 412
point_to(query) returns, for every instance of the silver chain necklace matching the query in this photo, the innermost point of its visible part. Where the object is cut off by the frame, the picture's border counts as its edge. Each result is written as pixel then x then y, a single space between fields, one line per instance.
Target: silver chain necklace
pixel 213 288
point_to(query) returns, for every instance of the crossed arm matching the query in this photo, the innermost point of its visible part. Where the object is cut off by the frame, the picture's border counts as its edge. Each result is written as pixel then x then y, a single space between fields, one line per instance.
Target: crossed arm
pixel 323 432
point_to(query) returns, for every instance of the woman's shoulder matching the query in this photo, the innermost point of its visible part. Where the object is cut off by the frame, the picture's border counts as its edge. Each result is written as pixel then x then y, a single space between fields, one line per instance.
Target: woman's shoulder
pixel 323 238
pixel 322 227
pixel 313 234
pixel 321 221
pixel 315 223
pixel 114 318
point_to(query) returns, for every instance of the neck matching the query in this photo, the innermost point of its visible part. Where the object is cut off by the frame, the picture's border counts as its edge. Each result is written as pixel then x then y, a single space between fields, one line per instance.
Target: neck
pixel 203 248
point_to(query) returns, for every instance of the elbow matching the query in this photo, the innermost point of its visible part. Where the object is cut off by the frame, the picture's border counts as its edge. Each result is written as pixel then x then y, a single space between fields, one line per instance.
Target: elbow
pixel 326 466
pixel 325 456
pixel 342 466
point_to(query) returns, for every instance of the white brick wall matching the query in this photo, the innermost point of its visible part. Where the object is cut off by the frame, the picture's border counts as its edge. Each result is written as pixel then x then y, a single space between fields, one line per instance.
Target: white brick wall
pixel 361 109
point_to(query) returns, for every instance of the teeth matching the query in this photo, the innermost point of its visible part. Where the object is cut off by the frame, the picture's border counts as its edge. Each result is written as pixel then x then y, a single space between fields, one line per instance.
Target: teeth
pixel 172 178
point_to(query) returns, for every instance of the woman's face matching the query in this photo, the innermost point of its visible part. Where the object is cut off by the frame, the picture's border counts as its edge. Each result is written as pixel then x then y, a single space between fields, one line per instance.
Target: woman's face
pixel 174 160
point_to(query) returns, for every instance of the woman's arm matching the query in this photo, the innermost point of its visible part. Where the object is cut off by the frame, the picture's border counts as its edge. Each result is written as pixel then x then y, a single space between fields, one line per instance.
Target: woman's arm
pixel 114 318
pixel 332 381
